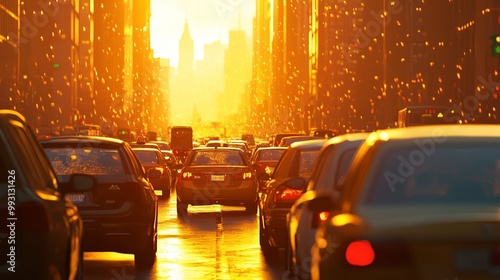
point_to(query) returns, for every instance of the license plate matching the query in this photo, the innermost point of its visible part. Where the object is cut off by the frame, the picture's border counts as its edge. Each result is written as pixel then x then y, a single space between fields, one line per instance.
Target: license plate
pixel 217 178
pixel 76 197
pixel 477 259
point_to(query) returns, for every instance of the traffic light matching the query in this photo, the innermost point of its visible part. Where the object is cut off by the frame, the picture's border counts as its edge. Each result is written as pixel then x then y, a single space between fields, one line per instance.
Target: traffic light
pixel 495 44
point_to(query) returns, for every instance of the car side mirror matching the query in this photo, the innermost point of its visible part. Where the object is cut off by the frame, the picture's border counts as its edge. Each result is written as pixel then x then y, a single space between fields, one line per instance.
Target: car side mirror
pixel 322 204
pixel 297 183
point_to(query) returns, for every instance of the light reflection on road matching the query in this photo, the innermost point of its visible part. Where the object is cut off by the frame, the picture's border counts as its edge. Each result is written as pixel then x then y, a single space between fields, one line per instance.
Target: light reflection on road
pixel 211 242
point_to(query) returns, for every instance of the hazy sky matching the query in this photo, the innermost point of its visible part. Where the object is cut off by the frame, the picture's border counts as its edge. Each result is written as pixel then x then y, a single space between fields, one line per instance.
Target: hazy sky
pixel 209 21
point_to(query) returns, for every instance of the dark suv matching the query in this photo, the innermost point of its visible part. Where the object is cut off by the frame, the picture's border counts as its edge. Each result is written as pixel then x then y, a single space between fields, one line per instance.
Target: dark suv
pixel 42 230
pixel 121 213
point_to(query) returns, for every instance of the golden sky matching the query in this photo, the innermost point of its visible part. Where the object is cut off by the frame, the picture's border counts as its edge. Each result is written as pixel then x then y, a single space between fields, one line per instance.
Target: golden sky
pixel 209 21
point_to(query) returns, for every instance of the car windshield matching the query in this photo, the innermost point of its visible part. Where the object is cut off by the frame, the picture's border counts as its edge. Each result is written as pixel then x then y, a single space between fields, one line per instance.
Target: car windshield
pixel 268 155
pixel 147 157
pixel 217 157
pixel 454 174
pixel 87 160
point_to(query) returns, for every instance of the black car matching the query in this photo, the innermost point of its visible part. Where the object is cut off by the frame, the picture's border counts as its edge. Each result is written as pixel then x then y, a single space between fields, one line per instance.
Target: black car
pixel 42 230
pixel 121 213
pixel 286 184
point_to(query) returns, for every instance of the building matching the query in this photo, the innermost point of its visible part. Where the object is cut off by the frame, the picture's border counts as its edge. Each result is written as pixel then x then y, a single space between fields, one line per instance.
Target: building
pixel 10 43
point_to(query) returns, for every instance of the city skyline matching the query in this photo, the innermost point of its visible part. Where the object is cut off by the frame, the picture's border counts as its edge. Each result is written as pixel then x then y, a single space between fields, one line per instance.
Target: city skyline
pixel 209 21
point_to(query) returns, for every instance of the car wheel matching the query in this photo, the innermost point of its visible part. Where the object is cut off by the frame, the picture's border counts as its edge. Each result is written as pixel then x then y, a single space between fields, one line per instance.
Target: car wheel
pixel 79 271
pixel 181 208
pixel 251 208
pixel 269 252
pixel 147 256
pixel 290 267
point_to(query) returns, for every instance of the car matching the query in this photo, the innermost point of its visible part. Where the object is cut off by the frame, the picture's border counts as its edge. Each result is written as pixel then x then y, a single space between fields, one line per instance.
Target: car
pixel 151 158
pixel 277 138
pixel 416 203
pixel 42 233
pixel 145 145
pixel 216 175
pixel 173 163
pixel 216 143
pixel 121 213
pixel 264 160
pixel 332 163
pixel 287 140
pixel 242 146
pixel 285 185
pixel 163 145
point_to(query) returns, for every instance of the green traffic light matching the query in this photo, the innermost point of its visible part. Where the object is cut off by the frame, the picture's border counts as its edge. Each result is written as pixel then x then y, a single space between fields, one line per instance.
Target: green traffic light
pixel 495 44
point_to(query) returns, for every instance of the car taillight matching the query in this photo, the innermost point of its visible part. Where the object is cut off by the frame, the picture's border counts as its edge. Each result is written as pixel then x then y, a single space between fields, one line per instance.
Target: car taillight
pixel 243 176
pixel 186 176
pixel 319 218
pixel 360 253
pixel 287 194
pixel 31 216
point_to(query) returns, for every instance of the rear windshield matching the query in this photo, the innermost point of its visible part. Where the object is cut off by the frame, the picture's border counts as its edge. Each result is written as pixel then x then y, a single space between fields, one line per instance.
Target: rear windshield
pixel 465 173
pixel 267 155
pixel 86 160
pixel 218 157
pixel 147 157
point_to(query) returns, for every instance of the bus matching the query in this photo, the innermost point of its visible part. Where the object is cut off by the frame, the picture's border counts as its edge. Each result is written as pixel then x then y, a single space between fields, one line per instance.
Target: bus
pixel 181 141
pixel 426 115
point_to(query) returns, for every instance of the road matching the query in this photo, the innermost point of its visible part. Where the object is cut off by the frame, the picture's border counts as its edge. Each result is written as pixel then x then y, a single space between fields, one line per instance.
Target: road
pixel 211 242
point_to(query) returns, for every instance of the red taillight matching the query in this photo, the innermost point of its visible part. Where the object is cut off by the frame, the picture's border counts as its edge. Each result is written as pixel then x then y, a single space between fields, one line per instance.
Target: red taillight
pixel 360 253
pixel 243 176
pixel 319 218
pixel 30 216
pixel 188 176
pixel 176 152
pixel 287 194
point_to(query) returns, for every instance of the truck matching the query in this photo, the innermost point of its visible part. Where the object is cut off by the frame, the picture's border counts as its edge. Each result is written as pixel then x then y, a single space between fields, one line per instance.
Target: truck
pixel 181 141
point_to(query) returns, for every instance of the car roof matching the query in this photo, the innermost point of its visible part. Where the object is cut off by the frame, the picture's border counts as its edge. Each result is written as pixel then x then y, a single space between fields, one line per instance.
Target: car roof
pixel 7 114
pixel 316 143
pixel 215 148
pixel 437 131
pixel 76 139
pixel 146 149
pixel 347 137
pixel 272 148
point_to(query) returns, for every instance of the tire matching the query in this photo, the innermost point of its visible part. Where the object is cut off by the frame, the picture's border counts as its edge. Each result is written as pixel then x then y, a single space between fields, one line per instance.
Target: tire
pixel 181 208
pixel 79 273
pixel 269 252
pixel 147 256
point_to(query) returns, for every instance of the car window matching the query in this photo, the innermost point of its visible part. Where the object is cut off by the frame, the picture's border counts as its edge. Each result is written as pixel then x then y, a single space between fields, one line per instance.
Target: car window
pixel 284 166
pixel 218 157
pixel 306 163
pixel 343 164
pixel 86 159
pixel 266 155
pixel 147 157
